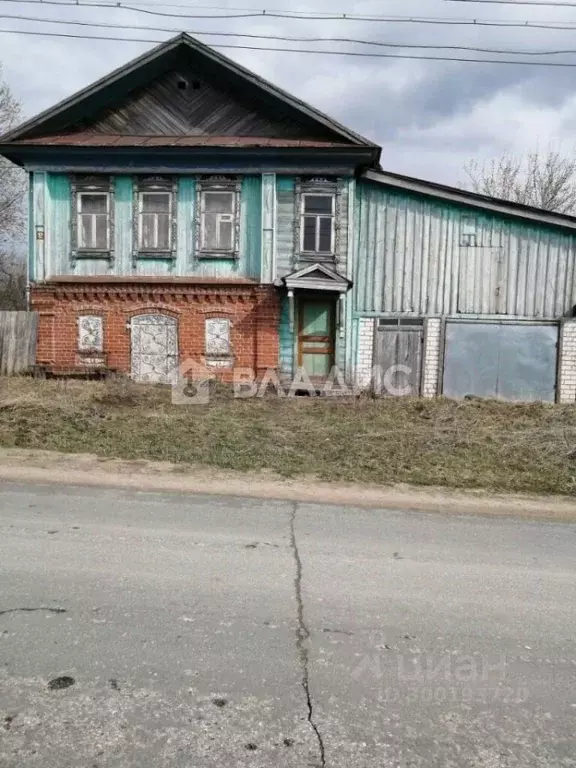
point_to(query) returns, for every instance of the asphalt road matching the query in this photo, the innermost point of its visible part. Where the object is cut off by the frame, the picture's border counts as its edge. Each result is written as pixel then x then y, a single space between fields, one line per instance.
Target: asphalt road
pixel 205 631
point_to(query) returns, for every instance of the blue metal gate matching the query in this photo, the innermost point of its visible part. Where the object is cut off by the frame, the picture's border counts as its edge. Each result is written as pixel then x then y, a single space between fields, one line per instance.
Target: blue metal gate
pixel 510 361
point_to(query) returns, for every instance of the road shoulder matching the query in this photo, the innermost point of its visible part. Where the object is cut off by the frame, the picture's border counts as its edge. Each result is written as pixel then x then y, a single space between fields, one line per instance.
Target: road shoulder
pixel 87 469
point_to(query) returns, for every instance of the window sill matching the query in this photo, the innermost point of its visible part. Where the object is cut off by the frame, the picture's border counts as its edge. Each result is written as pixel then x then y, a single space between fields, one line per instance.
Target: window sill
pixel 317 257
pixel 169 255
pixel 91 254
pixel 231 255
pixel 219 362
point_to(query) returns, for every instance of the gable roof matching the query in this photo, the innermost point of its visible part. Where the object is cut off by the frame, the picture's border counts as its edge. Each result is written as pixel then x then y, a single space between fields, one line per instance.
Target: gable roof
pixel 472 199
pixel 115 87
pixel 318 277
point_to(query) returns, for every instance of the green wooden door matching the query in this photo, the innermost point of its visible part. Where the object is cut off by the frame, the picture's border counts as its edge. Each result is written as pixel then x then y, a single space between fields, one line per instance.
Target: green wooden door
pixel 316 336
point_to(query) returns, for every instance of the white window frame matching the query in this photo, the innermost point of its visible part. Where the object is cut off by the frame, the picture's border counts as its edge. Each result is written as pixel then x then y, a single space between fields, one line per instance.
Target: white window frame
pixel 92 248
pixel 98 321
pixel 218 358
pixel 303 215
pixel 142 213
pixel 206 187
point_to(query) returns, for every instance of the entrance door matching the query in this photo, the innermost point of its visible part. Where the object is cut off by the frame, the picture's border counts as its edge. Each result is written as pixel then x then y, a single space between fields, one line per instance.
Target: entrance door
pixel 154 348
pixel 316 336
pixel 398 355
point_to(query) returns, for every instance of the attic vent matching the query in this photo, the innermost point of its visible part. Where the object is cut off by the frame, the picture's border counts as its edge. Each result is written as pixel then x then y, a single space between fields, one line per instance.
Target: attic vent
pixel 182 85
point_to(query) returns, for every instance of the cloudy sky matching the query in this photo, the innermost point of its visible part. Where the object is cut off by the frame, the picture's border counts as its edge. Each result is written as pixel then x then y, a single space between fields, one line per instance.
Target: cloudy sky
pixel 430 116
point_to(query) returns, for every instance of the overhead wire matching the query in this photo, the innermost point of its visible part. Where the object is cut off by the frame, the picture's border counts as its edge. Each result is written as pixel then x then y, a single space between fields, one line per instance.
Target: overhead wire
pixel 139 6
pixel 292 39
pixel 360 54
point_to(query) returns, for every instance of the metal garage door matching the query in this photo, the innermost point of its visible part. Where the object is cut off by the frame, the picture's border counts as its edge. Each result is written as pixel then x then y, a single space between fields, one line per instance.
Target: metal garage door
pixel 398 355
pixel 512 361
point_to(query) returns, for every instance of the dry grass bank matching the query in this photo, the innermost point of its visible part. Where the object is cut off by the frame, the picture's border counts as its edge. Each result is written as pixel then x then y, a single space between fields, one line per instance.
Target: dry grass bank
pixel 474 444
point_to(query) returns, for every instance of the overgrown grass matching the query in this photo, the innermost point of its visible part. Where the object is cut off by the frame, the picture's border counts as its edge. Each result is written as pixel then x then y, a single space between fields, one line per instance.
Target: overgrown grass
pixel 472 444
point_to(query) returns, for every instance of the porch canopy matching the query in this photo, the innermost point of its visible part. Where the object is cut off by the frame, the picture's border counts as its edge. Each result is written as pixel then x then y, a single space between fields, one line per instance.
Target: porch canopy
pixel 318 278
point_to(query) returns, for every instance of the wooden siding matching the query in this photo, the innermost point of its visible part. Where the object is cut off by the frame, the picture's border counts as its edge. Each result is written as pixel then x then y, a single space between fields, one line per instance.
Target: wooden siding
pixel 162 108
pixel 18 333
pixel 269 215
pixel 287 341
pixel 285 191
pixel 286 261
pixel 51 197
pixel 420 256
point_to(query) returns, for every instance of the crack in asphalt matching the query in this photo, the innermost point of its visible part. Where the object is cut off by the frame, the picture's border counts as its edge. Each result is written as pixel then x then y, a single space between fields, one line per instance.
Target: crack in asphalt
pixel 31 610
pixel 303 635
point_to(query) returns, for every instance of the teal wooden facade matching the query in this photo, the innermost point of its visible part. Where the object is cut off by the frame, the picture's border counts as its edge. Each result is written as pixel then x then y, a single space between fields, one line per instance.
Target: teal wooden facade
pixel 399 248
pixel 52 210
pixel 407 254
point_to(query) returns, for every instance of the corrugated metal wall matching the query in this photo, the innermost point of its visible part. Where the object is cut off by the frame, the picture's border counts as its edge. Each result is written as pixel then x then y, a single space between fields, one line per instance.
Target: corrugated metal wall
pixel 422 256
pixel 52 205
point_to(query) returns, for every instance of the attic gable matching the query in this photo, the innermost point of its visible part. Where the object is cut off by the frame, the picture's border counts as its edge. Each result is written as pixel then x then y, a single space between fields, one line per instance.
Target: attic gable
pixel 190 101
pixel 184 88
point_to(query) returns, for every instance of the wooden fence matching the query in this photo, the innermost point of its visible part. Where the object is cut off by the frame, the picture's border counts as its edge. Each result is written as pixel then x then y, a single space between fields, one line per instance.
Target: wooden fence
pixel 18 332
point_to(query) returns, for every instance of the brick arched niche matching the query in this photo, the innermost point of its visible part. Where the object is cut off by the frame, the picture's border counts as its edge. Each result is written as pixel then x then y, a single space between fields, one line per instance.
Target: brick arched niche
pixel 153 347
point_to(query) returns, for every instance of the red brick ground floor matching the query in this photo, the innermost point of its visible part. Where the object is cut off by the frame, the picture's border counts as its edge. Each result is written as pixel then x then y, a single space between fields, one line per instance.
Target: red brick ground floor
pixel 146 327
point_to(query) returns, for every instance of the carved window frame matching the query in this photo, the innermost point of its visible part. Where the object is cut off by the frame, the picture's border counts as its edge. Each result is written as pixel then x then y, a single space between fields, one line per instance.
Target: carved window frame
pixel 218 184
pixel 317 185
pixel 142 184
pixel 100 185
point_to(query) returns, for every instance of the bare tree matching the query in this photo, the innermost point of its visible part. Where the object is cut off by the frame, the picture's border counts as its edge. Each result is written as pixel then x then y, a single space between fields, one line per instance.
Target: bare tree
pixel 12 212
pixel 541 179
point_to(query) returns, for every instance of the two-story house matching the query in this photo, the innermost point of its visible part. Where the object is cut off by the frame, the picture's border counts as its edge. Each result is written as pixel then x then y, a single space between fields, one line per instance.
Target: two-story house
pixel 182 208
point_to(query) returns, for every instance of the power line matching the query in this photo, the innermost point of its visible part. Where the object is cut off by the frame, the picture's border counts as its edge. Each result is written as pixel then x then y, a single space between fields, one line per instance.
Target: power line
pixel 139 7
pixel 517 2
pixel 303 50
pixel 284 38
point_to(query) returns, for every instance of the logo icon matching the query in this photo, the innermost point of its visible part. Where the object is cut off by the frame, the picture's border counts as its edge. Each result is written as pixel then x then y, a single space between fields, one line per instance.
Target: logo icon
pixel 191 383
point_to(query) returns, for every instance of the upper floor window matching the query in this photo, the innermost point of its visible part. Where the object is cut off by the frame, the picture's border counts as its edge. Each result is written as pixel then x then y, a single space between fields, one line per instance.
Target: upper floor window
pixel 316 233
pixel 155 211
pixel 154 216
pixel 219 217
pixel 318 223
pixel 94 220
pixel 92 216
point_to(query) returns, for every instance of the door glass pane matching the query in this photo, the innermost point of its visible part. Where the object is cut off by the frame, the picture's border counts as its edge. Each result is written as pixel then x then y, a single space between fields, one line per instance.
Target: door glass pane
pixel 219 202
pixel 325 235
pixel 318 203
pixel 309 233
pixel 316 319
pixel 93 203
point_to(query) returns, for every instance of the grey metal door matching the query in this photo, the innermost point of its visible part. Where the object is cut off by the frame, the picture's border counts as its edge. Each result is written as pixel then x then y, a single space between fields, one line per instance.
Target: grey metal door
pixel 154 347
pixel 398 356
pixel 511 361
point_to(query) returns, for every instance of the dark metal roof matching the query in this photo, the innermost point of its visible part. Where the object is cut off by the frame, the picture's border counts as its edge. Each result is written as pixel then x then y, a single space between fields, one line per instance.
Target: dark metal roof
pixel 90 139
pixel 142 69
pixel 464 197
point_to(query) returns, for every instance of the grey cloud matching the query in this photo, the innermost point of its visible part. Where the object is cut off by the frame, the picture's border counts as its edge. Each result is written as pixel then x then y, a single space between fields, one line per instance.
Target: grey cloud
pixel 384 99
